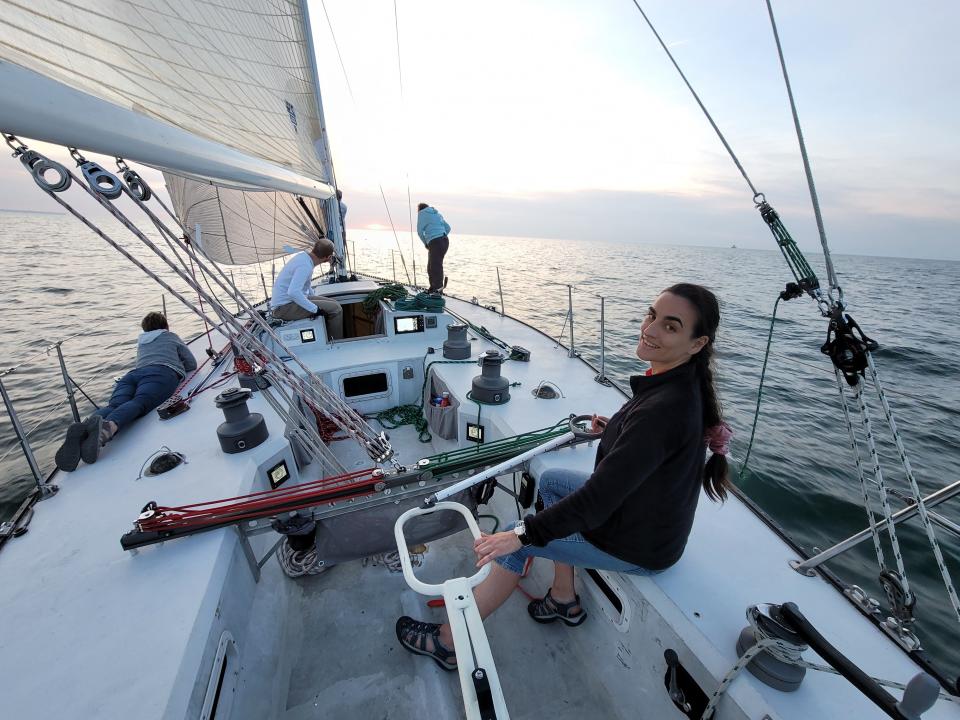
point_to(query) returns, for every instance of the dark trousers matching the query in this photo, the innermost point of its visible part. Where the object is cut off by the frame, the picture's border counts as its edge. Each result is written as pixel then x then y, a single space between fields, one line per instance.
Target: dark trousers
pixel 138 392
pixel 436 249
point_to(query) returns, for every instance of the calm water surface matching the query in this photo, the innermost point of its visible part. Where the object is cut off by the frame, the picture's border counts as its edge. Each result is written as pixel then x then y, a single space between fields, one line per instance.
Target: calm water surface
pixel 58 280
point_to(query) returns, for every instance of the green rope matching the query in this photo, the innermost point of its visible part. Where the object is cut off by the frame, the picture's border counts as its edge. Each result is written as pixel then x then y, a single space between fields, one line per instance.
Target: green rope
pixel 485 334
pixel 465 458
pixel 763 372
pixel 412 414
pixel 404 415
pixel 426 371
pixel 424 302
pixel 481 403
pixel 393 291
pixel 496 522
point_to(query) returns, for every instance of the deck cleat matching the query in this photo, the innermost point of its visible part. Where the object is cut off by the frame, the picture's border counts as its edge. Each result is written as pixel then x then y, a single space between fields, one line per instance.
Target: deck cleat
pixel 149 511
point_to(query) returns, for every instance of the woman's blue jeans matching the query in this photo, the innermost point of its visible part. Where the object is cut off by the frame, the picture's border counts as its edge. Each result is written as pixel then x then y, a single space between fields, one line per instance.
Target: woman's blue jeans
pixel 557 483
pixel 138 392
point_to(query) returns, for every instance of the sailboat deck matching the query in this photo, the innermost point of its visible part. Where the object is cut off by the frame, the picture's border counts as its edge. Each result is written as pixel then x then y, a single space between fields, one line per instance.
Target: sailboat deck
pixel 356 607
pixel 90 631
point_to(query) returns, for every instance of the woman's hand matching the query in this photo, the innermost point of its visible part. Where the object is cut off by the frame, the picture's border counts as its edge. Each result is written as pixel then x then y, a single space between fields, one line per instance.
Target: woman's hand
pixel 598 423
pixel 487 547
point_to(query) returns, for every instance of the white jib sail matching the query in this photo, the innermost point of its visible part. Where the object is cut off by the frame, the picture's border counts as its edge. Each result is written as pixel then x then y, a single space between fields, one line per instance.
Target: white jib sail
pixel 239 227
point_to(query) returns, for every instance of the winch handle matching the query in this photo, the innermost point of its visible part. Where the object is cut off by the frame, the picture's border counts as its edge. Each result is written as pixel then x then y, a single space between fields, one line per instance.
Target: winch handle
pixel 582 434
pixel 422 587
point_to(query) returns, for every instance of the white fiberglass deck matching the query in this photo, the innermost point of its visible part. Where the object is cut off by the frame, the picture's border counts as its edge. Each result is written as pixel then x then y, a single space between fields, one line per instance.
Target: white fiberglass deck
pixel 87 630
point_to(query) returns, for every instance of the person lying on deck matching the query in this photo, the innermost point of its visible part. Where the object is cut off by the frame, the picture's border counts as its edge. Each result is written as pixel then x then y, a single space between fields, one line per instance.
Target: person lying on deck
pixel 163 361
pixel 290 300
pixel 633 514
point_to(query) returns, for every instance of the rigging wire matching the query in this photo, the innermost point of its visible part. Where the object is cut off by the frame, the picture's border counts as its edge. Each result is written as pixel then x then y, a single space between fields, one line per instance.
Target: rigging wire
pixel 696 97
pixel 316 392
pixel 831 273
pixel 396 31
pixel 353 99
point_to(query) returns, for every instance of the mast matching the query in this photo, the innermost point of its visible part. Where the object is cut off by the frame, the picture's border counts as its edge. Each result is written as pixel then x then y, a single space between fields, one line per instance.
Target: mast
pixel 332 207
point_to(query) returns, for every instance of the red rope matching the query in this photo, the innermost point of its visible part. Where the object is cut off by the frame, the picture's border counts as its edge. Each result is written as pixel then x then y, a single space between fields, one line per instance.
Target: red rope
pixel 242 366
pixel 261 504
pixel 327 428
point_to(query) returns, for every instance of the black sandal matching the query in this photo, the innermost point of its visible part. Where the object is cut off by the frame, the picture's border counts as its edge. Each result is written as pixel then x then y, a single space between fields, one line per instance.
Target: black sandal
pixel 68 455
pixel 90 447
pixel 546 610
pixel 413 635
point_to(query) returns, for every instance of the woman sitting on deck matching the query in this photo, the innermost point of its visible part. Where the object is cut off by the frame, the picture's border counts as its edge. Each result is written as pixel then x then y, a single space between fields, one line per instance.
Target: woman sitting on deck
pixel 633 514
pixel 163 361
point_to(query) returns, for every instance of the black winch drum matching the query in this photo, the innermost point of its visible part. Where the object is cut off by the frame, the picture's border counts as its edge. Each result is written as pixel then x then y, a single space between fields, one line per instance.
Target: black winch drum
pixel 490 387
pixel 456 346
pixel 242 430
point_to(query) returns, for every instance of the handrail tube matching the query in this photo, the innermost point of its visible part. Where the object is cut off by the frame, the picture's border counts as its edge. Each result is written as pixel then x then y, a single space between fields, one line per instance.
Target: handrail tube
pixel 71 390
pixel 23 438
pixel 498 469
pixel 602 377
pixel 945 523
pixel 840 662
pixel 930 501
pixel 501 291
pixel 570 314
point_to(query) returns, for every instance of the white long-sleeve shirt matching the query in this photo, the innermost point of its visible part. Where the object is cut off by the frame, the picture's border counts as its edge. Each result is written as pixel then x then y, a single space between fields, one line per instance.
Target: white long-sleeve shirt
pixel 293 283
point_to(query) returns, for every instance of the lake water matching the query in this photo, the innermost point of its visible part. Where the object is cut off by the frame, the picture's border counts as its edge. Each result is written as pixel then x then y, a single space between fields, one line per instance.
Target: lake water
pixel 59 281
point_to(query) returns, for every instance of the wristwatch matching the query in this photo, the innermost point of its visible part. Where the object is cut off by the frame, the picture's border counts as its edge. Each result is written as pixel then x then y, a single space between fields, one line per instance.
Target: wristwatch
pixel 520 530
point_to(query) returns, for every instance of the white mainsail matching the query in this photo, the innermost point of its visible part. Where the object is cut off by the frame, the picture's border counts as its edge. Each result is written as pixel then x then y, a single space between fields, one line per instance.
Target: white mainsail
pixel 218 90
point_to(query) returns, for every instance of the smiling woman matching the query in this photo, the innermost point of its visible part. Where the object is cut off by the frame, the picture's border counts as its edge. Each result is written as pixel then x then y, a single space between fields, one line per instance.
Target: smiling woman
pixel 634 513
pixel 666 339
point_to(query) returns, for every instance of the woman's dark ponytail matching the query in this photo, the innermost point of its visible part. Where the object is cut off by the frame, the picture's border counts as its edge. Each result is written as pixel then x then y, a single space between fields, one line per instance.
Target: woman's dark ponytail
pixel 715 474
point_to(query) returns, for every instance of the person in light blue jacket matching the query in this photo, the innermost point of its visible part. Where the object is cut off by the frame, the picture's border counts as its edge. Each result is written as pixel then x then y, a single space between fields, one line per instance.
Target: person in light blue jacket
pixel 433 230
pixel 163 361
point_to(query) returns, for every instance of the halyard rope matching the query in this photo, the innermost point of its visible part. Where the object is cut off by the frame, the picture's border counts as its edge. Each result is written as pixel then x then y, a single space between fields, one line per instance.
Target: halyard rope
pixel 763 373
pixel 855 447
pixel 915 489
pixel 881 486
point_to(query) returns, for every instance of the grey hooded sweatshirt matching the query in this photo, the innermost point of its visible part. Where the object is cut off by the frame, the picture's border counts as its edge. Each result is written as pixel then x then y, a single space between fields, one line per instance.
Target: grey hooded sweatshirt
pixel 162 347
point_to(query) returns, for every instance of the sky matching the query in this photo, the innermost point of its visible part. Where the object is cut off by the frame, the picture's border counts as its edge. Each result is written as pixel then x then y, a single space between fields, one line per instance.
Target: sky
pixel 565 119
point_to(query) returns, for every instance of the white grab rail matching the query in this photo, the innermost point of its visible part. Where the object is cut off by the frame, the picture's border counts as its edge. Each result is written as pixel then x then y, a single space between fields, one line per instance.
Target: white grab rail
pixel 479 682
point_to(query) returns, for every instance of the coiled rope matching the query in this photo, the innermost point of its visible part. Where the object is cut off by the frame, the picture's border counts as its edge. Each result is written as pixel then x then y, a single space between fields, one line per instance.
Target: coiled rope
pixel 298 563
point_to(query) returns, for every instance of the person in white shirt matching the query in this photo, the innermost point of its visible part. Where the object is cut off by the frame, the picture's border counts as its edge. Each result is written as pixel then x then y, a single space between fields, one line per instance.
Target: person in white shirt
pixel 291 300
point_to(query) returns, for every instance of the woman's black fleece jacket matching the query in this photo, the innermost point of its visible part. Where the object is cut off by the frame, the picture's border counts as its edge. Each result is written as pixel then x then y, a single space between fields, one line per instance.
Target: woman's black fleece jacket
pixel 639 503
